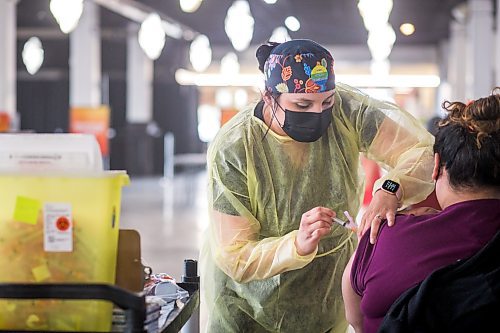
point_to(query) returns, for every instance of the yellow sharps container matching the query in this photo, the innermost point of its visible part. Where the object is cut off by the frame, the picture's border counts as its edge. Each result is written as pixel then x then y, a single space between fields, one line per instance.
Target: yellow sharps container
pixel 59 228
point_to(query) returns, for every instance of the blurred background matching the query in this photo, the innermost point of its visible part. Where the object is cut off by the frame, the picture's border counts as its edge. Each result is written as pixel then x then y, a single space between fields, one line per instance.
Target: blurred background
pixel 155 80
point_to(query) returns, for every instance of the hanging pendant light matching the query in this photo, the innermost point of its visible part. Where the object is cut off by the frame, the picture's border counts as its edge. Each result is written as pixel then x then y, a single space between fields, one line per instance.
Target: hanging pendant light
pixel 152 36
pixel 67 13
pixel 190 6
pixel 381 35
pixel 280 35
pixel 229 65
pixel 200 53
pixel 239 24
pixel 33 55
pixel 292 23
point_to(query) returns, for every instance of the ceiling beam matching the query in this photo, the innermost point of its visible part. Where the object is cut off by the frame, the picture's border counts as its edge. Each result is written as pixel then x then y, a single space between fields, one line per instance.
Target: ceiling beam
pixel 137 12
pixel 57 34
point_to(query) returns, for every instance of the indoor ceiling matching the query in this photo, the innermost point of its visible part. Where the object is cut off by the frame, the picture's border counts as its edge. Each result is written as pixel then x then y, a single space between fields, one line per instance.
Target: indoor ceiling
pixel 331 22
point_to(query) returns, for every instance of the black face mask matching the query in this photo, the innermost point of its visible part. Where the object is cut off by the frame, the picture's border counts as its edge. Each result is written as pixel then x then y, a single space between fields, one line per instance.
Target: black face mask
pixel 306 126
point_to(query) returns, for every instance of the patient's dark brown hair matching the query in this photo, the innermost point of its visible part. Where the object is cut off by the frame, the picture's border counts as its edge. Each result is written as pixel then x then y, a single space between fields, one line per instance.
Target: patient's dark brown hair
pixel 468 142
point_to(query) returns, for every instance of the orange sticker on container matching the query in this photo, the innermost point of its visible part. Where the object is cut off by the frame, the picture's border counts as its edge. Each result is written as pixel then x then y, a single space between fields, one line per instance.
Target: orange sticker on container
pixel 62 223
pixel 26 210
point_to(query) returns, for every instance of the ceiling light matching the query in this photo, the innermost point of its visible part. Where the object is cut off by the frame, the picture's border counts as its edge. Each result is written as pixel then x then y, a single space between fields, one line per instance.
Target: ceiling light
pixel 292 23
pixel 380 67
pixel 223 98
pixel 33 55
pixel 459 12
pixel 200 53
pixel 185 77
pixel 208 122
pixel 271 2
pixel 229 64
pixel 190 6
pixel 67 13
pixel 391 81
pixel 407 29
pixel 375 12
pixel 280 35
pixel 152 36
pixel 239 24
pixel 380 41
pixel 240 98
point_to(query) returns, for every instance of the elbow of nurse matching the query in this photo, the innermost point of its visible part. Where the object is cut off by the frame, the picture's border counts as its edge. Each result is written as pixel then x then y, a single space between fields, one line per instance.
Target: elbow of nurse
pixel 229 265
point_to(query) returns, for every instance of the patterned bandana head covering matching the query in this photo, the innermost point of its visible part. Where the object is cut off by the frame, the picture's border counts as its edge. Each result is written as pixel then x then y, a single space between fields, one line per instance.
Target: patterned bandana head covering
pixel 299 66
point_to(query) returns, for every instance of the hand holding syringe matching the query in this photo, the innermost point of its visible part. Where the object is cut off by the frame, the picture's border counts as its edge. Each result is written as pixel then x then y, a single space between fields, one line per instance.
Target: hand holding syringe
pixel 349 224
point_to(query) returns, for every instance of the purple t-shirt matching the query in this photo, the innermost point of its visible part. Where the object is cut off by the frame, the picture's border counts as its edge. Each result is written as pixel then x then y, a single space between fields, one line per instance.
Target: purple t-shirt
pixel 415 246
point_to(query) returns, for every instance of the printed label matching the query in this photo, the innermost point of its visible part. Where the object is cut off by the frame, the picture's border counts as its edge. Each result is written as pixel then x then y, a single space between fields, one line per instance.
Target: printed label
pixel 58 227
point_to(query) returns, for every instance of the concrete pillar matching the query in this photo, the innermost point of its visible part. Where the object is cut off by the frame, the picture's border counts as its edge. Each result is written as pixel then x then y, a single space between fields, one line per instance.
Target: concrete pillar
pixel 85 59
pixel 443 91
pixel 456 61
pixel 8 57
pixel 139 80
pixel 139 143
pixel 480 48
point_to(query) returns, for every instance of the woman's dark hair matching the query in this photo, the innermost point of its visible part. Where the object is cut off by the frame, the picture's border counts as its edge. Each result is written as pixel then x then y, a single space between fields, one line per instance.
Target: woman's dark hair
pixel 468 142
pixel 433 124
pixel 263 53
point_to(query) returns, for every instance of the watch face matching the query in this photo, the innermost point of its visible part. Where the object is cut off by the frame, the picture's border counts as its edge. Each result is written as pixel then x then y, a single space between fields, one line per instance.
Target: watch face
pixel 390 186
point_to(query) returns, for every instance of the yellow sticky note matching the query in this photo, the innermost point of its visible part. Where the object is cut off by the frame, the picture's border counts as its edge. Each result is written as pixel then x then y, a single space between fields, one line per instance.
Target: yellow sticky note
pixel 33 321
pixel 26 210
pixel 41 273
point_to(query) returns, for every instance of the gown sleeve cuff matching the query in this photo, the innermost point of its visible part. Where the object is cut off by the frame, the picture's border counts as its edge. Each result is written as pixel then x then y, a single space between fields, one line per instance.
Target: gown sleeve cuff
pixel 304 259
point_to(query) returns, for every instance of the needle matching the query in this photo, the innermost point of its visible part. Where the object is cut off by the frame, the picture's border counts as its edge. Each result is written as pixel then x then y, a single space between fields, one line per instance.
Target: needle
pixel 347 224
pixel 339 221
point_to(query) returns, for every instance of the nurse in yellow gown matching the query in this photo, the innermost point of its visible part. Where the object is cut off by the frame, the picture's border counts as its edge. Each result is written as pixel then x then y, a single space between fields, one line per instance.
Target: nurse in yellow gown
pixel 272 260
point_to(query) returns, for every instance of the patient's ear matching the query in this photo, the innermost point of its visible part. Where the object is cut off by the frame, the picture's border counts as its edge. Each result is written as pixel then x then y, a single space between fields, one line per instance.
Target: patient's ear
pixel 435 171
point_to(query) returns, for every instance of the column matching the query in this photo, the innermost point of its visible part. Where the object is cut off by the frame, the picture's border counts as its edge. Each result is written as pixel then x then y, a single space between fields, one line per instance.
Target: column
pixel 8 57
pixel 480 49
pixel 139 80
pixel 443 91
pixel 85 59
pixel 139 143
pixel 457 61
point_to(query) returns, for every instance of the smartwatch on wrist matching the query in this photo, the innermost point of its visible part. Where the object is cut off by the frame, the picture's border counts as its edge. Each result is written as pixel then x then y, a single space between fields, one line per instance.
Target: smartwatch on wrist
pixel 392 187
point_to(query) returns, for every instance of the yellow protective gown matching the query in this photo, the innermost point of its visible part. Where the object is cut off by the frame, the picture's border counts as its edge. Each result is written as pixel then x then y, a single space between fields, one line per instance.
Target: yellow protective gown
pixel 253 280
